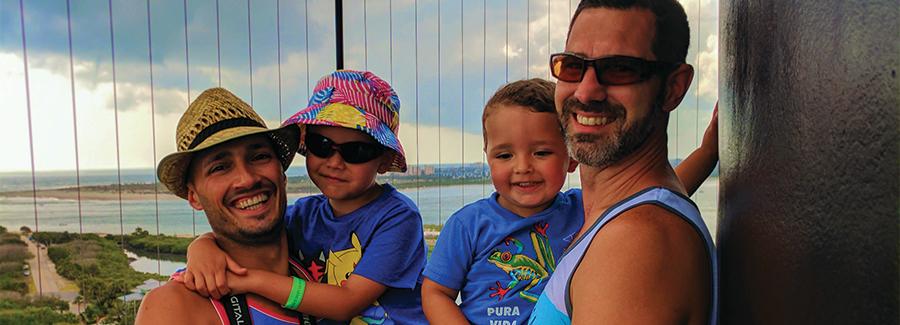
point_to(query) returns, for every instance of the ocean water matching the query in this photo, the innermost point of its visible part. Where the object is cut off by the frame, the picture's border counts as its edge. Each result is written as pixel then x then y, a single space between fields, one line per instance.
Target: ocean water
pixel 176 217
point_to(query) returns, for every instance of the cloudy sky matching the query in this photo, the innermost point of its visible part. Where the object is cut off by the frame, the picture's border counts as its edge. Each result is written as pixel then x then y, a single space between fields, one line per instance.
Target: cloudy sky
pixel 93 104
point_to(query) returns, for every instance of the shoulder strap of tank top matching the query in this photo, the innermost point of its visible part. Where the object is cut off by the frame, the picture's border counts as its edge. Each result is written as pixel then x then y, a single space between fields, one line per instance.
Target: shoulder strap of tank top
pixel 236 310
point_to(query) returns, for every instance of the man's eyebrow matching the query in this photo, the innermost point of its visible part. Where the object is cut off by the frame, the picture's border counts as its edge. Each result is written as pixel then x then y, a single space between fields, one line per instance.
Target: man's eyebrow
pixel 259 145
pixel 584 55
pixel 217 157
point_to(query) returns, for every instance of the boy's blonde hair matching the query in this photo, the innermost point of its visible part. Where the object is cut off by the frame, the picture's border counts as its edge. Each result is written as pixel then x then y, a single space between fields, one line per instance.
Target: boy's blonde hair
pixel 535 94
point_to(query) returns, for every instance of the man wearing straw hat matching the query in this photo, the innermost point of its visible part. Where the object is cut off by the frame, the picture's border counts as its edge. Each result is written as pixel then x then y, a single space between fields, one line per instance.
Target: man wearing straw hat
pixel 231 166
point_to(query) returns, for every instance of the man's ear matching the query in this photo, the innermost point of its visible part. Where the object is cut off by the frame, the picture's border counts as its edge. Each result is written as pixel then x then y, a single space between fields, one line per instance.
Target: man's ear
pixel 676 86
pixel 193 198
pixel 572 165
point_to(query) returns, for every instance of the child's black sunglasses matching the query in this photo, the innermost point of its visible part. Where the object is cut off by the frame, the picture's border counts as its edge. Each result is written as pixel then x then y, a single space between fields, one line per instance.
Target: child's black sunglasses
pixel 611 70
pixel 356 152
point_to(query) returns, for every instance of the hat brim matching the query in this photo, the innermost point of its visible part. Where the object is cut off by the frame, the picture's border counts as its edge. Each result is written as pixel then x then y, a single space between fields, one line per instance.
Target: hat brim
pixel 172 170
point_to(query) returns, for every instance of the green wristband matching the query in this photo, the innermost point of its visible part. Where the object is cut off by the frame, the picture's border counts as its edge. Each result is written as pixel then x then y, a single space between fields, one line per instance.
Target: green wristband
pixel 298 287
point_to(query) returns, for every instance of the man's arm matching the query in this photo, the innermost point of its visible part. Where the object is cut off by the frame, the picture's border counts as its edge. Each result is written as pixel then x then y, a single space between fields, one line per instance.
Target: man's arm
pixel 694 169
pixel 439 304
pixel 173 304
pixel 647 266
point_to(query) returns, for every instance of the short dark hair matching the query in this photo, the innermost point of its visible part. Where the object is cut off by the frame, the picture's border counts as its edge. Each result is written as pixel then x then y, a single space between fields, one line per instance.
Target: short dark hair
pixel 534 94
pixel 673 35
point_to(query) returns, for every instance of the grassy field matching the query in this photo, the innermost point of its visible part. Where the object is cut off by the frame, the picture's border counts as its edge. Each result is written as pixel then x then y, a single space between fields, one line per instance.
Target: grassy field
pixel 15 306
pixel 102 271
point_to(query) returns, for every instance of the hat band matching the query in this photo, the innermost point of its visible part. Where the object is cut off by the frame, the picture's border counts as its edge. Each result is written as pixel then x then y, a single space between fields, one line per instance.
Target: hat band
pixel 221 125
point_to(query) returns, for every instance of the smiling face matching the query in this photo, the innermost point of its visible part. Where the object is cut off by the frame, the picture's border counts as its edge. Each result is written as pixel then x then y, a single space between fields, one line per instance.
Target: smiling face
pixel 604 123
pixel 345 184
pixel 240 185
pixel 527 156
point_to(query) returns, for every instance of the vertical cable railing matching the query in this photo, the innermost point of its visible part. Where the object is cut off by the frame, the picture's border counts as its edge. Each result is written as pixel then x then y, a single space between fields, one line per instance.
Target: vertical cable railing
pixel 187 74
pixel 483 90
pixel 306 48
pixel 507 49
pixel 699 75
pixel 153 129
pixel 112 40
pixel 418 148
pixel 391 178
pixel 74 125
pixel 30 140
pixel 278 52
pixel 365 36
pixel 218 43
pixel 462 96
pixel 125 86
pixel 74 116
pixel 440 168
pixel 250 50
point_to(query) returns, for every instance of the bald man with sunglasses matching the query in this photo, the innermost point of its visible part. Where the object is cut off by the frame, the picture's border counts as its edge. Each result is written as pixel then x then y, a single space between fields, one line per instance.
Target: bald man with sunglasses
pixel 644 254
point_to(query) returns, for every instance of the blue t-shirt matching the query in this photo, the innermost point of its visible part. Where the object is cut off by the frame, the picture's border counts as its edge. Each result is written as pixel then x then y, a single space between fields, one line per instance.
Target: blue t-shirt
pixel 499 261
pixel 382 241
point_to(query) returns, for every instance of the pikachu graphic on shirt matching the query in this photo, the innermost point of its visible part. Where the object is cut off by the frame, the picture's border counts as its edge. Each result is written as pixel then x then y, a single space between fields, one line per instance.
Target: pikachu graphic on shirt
pixel 338 268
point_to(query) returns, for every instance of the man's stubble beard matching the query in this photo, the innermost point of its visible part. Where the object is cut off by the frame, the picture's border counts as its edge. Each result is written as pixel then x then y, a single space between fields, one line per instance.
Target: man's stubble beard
pixel 599 151
pixel 230 230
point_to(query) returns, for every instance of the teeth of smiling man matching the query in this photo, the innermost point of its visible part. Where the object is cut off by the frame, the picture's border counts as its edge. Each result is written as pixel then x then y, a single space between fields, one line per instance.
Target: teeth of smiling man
pixel 252 202
pixel 525 184
pixel 591 121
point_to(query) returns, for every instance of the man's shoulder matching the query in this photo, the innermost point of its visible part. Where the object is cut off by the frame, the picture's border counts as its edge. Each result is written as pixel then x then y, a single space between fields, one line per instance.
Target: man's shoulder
pixel 647 234
pixel 651 222
pixel 173 301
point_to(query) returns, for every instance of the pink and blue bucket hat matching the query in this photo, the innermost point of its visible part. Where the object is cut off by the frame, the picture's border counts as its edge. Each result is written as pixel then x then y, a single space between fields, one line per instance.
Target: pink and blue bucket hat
pixel 357 100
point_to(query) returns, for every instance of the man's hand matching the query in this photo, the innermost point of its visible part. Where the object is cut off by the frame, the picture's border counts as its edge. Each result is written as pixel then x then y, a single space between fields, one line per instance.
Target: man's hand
pixel 710 142
pixel 693 170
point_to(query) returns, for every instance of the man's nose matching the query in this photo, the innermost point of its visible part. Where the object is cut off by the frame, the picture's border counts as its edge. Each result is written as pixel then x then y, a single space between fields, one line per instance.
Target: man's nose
pixel 590 89
pixel 245 175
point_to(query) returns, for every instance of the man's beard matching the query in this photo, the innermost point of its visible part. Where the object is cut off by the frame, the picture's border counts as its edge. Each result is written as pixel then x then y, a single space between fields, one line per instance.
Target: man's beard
pixel 248 237
pixel 260 237
pixel 602 151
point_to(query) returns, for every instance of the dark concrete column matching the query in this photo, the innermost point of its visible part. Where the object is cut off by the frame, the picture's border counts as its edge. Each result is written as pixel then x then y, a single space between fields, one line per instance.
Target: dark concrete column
pixel 809 215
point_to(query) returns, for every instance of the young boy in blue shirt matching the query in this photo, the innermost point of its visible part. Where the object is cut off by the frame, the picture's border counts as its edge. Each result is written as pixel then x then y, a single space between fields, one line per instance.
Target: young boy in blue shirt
pixel 360 243
pixel 498 252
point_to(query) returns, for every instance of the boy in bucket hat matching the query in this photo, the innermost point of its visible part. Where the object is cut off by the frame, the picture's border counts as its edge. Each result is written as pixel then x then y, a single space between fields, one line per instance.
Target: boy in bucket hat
pixel 363 239
pixel 231 166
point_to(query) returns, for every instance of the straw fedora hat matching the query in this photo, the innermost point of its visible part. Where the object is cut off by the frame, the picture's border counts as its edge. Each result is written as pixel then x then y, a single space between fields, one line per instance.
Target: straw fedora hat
pixel 215 117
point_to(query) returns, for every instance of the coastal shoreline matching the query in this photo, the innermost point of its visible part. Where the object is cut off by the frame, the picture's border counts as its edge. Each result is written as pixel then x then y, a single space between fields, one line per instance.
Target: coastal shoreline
pixel 94 195
pixel 146 192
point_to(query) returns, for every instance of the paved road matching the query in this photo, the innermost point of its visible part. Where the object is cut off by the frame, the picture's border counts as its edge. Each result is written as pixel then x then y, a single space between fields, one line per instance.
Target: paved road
pixel 47 281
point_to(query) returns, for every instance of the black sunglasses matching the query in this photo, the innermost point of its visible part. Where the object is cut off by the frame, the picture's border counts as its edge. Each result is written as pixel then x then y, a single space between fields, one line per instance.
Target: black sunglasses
pixel 356 152
pixel 611 70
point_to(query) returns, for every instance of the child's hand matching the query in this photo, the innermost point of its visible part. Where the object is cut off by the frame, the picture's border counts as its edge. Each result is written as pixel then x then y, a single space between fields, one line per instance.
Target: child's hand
pixel 240 283
pixel 206 267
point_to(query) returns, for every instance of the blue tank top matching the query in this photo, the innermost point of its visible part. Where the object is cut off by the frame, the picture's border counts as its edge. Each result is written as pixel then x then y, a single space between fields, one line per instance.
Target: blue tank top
pixel 554 306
